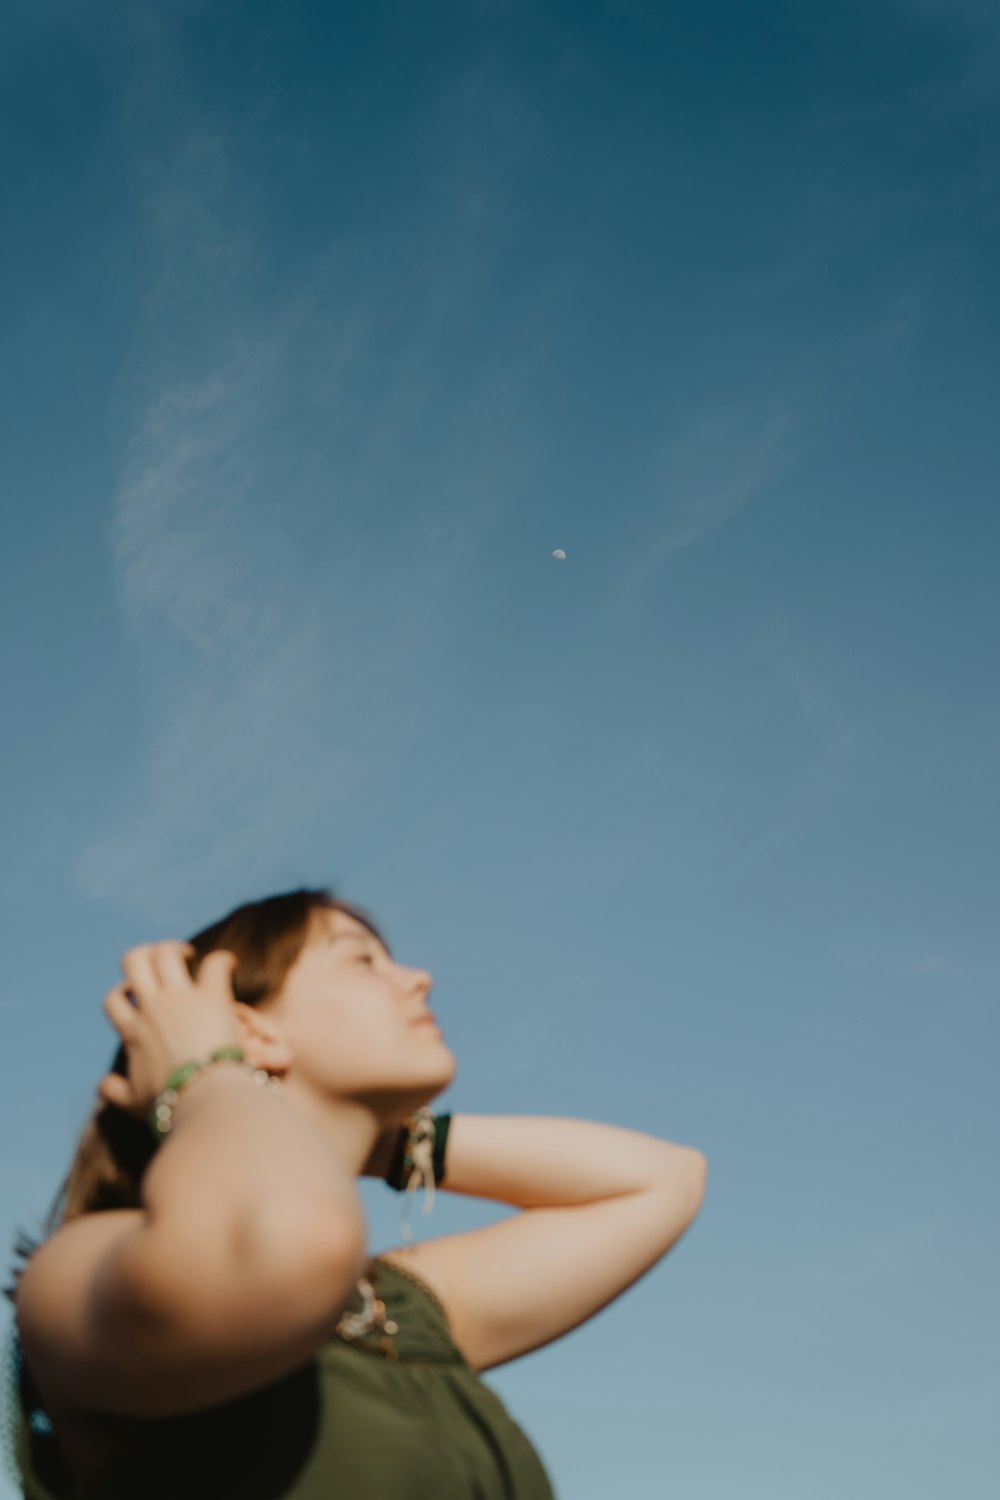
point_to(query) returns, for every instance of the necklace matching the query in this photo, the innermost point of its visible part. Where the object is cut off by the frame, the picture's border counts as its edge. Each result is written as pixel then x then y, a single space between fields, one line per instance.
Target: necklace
pixel 372 1315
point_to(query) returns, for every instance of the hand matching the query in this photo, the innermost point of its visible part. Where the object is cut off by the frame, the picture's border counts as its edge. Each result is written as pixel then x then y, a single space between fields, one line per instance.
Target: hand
pixel 166 1018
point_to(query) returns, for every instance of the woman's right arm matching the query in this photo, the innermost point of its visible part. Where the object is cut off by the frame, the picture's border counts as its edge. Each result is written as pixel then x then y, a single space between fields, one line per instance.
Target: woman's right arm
pixel 235 1273
pixel 247 1170
pixel 247 1248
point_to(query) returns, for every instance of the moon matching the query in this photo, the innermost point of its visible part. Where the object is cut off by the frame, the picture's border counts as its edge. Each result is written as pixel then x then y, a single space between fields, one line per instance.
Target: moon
pixel 560 554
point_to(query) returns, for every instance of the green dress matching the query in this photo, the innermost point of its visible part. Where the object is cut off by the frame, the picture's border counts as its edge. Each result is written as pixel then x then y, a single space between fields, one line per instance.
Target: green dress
pixel 388 1410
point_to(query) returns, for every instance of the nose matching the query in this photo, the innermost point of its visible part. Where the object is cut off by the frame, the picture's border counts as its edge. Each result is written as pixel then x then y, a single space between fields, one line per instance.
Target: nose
pixel 421 981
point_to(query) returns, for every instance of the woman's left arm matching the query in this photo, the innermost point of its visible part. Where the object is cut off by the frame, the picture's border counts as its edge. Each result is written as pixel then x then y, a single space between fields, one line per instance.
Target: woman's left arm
pixel 600 1206
pixel 541 1161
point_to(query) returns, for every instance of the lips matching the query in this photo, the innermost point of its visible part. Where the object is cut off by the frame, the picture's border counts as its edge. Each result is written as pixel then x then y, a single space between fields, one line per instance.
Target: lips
pixel 427 1016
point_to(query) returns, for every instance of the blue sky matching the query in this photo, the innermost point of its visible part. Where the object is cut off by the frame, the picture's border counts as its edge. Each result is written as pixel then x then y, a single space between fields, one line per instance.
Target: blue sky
pixel 323 328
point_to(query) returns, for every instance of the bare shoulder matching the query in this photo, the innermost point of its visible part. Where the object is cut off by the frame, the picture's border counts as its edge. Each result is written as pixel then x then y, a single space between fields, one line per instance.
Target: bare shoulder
pixel 124 1318
pixel 90 1441
pixel 90 1233
pixel 90 1230
pixel 101 1228
pixel 48 1280
pixel 84 1239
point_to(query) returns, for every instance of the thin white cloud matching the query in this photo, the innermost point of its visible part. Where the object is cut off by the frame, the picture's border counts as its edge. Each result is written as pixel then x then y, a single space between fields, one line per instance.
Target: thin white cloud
pixel 745 444
pixel 724 459
pixel 814 787
pixel 176 528
pixel 283 545
pixel 722 455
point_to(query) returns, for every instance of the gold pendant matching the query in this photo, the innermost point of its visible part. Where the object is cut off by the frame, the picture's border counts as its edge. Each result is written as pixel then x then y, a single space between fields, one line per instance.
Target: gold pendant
pixel 372 1315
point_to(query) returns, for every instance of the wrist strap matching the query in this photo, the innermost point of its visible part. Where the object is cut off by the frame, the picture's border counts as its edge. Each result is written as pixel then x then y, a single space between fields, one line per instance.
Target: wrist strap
pixel 404 1158
pixel 418 1161
pixel 442 1124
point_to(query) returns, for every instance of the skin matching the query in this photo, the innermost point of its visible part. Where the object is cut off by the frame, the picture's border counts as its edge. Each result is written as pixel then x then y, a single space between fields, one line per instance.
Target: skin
pixel 341 1036
pixel 601 1204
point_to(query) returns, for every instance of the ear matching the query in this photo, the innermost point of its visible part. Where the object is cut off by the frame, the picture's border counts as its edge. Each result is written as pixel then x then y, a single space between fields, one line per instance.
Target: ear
pixel 263 1044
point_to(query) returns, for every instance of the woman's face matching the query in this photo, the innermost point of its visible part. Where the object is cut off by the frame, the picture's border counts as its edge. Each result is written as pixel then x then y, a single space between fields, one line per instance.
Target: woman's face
pixel 350 1015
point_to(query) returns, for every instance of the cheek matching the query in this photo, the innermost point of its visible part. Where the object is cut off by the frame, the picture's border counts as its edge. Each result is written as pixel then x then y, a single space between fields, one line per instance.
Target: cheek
pixel 343 1018
pixel 348 1029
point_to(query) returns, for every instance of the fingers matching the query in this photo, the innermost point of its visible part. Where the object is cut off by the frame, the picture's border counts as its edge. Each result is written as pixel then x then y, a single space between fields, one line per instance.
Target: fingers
pixel 160 1011
pixel 140 974
pixel 115 1090
pixel 170 961
pixel 150 966
pixel 217 969
pixel 119 1094
pixel 119 1009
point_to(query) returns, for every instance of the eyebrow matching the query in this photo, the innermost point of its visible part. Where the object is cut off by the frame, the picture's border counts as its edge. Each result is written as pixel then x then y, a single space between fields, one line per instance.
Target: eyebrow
pixel 359 937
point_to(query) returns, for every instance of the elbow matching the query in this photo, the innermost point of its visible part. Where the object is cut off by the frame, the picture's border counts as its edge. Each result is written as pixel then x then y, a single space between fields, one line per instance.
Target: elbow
pixel 699 1174
pixel 701 1161
pixel 683 1181
pixel 299 1240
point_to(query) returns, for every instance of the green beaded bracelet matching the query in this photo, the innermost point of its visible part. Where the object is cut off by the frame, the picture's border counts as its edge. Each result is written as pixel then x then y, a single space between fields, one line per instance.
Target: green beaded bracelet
pixel 161 1116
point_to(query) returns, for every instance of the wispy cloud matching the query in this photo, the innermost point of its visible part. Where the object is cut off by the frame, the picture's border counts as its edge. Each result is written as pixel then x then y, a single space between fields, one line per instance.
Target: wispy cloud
pixel 285 584
pixel 725 453
pixel 187 473
pixel 812 789
pixel 724 458
pixel 245 731
pixel 743 444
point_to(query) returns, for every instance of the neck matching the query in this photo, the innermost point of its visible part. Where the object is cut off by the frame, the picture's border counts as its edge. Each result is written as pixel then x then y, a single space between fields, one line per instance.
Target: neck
pixel 350 1127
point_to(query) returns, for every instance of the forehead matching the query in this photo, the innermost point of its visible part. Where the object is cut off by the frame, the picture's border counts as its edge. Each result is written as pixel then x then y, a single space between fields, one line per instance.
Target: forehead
pixel 339 927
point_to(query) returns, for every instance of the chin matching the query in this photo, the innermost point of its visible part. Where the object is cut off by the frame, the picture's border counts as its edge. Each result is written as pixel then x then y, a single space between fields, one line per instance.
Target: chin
pixel 448 1070
pixel 439 1078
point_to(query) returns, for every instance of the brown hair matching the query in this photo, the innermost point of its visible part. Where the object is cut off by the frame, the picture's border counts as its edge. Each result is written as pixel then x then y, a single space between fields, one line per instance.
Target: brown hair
pixel 114 1148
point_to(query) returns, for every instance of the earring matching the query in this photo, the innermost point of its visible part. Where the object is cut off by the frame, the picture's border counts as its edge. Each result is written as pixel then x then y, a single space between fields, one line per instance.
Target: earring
pixel 270 1081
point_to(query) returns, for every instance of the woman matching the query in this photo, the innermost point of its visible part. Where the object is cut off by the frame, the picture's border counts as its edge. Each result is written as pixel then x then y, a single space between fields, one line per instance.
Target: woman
pixel 202 1317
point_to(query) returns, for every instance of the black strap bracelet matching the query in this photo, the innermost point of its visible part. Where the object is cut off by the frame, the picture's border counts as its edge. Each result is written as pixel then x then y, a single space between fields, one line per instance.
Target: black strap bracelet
pixel 394 1174
pixel 401 1166
pixel 442 1125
